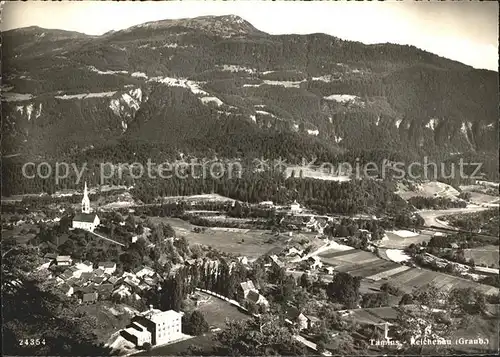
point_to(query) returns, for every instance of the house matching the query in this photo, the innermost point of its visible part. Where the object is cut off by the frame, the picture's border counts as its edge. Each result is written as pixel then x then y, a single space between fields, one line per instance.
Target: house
pixel 296 318
pixel 87 276
pixel 122 291
pixel 80 283
pixel 108 267
pixel 243 260
pixel 295 207
pixel 312 321
pixel 329 270
pixel 314 262
pixel 67 274
pixel 275 262
pixel 144 271
pixel 132 281
pixel 150 281
pixel 64 260
pixel 105 290
pixel 98 280
pixel 255 297
pixel 85 219
pixel 66 289
pixel 50 256
pixel 292 251
pixel 248 292
pixel 113 279
pixel 99 272
pixel 90 298
pixel 45 265
pixel 155 327
pixel 75 272
pixel 266 204
pixel 245 288
pixel 85 267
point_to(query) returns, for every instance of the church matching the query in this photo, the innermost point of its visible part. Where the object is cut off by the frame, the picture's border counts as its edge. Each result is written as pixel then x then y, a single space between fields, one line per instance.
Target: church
pixel 86 220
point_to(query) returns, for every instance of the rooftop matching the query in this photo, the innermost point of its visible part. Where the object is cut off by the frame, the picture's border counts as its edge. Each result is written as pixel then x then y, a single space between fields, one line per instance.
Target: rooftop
pixel 85 217
pixel 156 315
pixel 248 285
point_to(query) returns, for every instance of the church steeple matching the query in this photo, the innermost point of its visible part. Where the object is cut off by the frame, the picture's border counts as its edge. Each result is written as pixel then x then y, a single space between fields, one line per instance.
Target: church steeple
pixel 85 200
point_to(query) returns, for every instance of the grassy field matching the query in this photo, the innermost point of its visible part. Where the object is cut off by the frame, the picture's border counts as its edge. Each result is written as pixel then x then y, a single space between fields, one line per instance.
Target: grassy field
pixel 217 311
pixel 485 255
pixel 247 242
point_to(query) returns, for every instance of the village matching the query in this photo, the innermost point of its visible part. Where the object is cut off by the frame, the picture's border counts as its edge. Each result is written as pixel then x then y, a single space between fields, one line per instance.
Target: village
pixel 136 260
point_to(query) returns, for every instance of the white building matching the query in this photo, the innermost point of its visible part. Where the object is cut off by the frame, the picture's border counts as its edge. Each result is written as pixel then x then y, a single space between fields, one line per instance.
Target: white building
pixel 86 220
pixel 108 267
pixel 64 260
pixel 295 207
pixel 155 327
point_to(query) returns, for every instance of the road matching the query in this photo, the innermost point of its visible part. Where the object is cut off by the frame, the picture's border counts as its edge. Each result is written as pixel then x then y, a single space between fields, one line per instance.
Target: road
pixel 106 238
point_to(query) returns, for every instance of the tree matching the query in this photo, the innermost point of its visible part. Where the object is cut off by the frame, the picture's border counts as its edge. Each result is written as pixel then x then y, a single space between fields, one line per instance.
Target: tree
pixel 345 289
pixel 406 299
pixel 195 323
pixel 261 336
pixel 305 281
pixel 320 346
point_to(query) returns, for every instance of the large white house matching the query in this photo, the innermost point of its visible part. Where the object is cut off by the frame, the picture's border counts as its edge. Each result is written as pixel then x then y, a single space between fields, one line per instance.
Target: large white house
pixel 155 327
pixel 86 220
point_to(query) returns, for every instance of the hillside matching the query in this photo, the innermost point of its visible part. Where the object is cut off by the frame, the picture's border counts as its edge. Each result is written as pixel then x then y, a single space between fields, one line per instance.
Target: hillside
pixel 217 84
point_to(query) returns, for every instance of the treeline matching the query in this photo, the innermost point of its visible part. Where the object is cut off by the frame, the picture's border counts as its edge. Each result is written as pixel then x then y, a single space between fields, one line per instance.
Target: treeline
pixel 323 196
pixel 421 202
pixel 485 222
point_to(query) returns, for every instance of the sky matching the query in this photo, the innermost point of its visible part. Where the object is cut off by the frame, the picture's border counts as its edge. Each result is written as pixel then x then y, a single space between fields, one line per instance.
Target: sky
pixel 464 31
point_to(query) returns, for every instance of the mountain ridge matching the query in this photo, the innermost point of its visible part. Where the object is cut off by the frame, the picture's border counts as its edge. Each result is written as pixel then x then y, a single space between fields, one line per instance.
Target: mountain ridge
pixel 149 81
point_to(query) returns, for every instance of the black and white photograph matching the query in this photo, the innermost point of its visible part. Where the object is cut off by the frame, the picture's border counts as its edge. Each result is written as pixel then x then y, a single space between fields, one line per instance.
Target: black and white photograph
pixel 250 178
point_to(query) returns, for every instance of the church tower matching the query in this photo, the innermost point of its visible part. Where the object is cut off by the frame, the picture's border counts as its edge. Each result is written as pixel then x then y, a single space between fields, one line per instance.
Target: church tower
pixel 85 200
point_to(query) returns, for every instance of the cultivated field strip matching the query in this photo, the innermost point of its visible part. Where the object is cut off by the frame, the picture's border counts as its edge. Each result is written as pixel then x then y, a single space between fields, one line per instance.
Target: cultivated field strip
pixel 374 268
pixel 418 278
pixel 388 273
pixel 338 254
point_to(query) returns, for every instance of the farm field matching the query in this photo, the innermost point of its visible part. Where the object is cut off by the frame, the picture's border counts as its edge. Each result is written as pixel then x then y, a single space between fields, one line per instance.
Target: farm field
pixel 247 242
pixel 375 315
pixel 371 267
pixel 416 278
pixel 357 262
pixel 487 255
pixel 397 242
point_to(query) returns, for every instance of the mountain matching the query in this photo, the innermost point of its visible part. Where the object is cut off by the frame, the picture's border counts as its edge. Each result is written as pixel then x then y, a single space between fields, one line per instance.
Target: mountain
pixel 217 84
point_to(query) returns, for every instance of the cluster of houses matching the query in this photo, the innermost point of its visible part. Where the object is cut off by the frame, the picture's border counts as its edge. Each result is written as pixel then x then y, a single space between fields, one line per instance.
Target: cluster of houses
pixel 293 208
pixel 278 257
pixel 88 283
